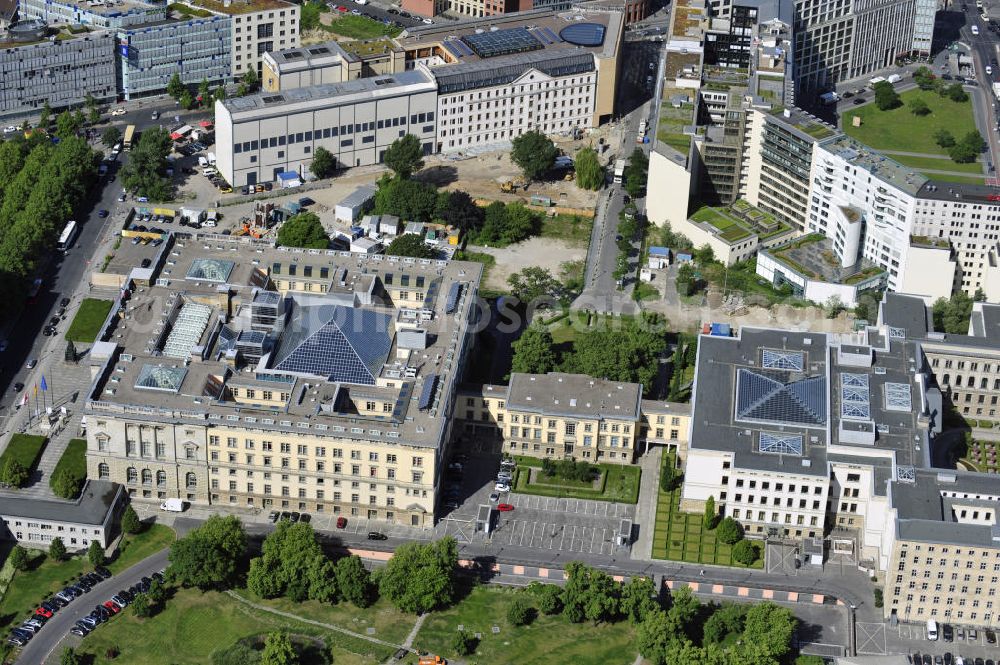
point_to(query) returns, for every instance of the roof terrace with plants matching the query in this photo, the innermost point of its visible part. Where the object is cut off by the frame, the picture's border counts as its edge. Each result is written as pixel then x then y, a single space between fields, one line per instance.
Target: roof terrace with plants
pixel 739 221
pixel 812 256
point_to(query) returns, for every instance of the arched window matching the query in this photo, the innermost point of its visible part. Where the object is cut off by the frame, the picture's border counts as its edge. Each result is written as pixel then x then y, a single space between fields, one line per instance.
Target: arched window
pixel 132 475
pixel 161 478
pixel 103 471
pixel 191 481
pixel 147 477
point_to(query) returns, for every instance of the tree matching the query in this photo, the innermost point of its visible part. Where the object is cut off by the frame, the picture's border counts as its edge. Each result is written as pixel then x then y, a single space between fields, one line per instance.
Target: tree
pixel 636 172
pixel 589 172
pixel 639 599
pixel 724 621
pixel 57 549
pixel 729 531
pixel 204 91
pixel 420 577
pixel 19 558
pixel 220 93
pixel 187 100
pixel 918 106
pixel 45 115
pixel 833 306
pixel 519 612
pixel 684 608
pixel 93 112
pixel 95 554
pixel 409 199
pixel 590 594
pixel 67 482
pixel 278 650
pixel 209 556
pixel 146 169
pixel 292 563
pixel 653 635
pixel 13 473
pixel 309 15
pixel 534 283
pixel 549 599
pixel 924 78
pixel 745 552
pixel 710 513
pixel 303 230
pixel 130 521
pixel 405 156
pixel 534 153
pixel 956 93
pixel 141 606
pixel 175 87
pixel 703 255
pixel 952 316
pixel 67 125
pixel 249 82
pixel 629 352
pixel 410 244
pixel 354 581
pixel 668 475
pixel 886 97
pixel 460 211
pixel 70 657
pixel 533 351
pixel 464 644
pixel 944 138
pixel 771 627
pixel 685 279
pixel 156 594
pixel 110 136
pixel 520 223
pixel 324 164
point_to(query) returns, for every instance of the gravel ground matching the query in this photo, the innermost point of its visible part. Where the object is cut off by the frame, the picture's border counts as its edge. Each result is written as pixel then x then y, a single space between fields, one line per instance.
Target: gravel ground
pixel 546 253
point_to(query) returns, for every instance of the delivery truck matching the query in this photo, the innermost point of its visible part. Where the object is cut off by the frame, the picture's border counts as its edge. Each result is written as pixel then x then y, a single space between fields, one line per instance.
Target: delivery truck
pixel 619 171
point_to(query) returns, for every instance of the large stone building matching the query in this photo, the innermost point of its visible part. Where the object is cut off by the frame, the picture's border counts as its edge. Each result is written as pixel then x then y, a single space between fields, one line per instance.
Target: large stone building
pixel 93 517
pixel 305 380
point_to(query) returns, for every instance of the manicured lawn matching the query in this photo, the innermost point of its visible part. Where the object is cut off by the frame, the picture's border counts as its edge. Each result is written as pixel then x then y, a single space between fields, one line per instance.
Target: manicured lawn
pixel 729 229
pixel 574 229
pixel 360 27
pixel 547 640
pixel 74 460
pixel 47 576
pixel 25 448
pixel 899 129
pixel 938 164
pixel 618 483
pixel 646 291
pixel 682 536
pixel 970 180
pixel 87 322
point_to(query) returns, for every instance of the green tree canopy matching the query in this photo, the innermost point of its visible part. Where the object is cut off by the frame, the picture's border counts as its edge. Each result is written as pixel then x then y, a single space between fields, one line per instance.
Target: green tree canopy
pixel 590 594
pixel 95 554
pixel 589 172
pixel 770 627
pixel 146 170
pixel 70 657
pixel 710 514
pixel 534 153
pixel 410 244
pixel 952 315
pixel 533 283
pixel 141 606
pixel 57 549
pixel 278 650
pixel 886 97
pixel 636 173
pixel 324 164
pixel 67 125
pixel 410 200
pixel 13 473
pixel 533 351
pixel 519 612
pixel 292 563
pixel 354 581
pixel 130 521
pixel 745 552
pixel 729 531
pixel 405 156
pixel 45 115
pixel 303 230
pixel 110 136
pixel 209 556
pixel 627 351
pixel 176 87
pixel 653 634
pixel 956 93
pixel 420 577
pixel 918 106
pixel 639 599
pixel 309 15
pixel 944 138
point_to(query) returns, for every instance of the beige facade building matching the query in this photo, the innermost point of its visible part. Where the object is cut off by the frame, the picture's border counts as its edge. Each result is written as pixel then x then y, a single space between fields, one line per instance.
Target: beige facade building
pixel 312 381
pixel 330 62
pixel 258 26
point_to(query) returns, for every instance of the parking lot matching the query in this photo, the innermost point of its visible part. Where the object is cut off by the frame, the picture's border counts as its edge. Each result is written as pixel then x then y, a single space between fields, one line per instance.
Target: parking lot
pixel 911 638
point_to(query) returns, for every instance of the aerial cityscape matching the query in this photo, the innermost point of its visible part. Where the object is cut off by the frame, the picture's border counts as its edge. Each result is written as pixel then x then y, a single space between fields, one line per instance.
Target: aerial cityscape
pixel 638 332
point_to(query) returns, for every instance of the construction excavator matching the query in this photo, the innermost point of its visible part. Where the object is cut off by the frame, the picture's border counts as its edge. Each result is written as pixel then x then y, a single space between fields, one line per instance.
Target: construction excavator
pixel 511 186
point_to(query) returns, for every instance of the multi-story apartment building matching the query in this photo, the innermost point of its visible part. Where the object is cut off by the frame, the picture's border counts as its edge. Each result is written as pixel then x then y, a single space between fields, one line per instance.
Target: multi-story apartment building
pixel 197 47
pixel 315 381
pixel 94 14
pixel 260 136
pixel 61 72
pixel 258 26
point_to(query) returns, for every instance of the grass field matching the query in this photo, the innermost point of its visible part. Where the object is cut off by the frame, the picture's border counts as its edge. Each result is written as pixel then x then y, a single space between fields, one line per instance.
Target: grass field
pixel 87 322
pixel 969 180
pixel 573 229
pixel 73 460
pixel 46 576
pixel 942 164
pixel 548 639
pixel 25 448
pixel 359 27
pixel 899 129
pixel 618 483
pixel 682 536
pixel 729 229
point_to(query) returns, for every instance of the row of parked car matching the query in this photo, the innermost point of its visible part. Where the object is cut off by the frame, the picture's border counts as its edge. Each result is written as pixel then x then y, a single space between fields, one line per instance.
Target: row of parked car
pixel 104 611
pixel 20 635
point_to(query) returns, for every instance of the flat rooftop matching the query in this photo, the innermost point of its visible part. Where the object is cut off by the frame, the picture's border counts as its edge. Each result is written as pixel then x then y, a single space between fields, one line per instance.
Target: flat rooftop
pixel 495 38
pixel 240 6
pixel 574 395
pixel 687 19
pixel 92 506
pixel 737 222
pixel 211 321
pixel 959 192
pixel 374 87
pixel 306 57
pixel 930 508
pixel 110 8
pixel 812 256
pixel 805 124
pixel 889 171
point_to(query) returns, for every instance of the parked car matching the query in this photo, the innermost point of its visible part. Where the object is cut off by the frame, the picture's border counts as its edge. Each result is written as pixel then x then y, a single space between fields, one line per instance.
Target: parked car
pixel 102 213
pixel 991 637
pixel 112 606
pixel 43 612
pixel 120 601
pixel 376 535
pixel 494 497
pixel 273 516
pixel 341 522
pixel 973 635
pixel 31 363
pixel 118 111
pixel 505 507
pixel 502 487
pixel 294 517
pixel 947 633
pixel 77 630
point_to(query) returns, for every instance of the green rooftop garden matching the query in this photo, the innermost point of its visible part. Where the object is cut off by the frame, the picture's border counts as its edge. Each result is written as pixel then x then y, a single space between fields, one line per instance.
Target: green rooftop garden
pixel 925 241
pixel 857 277
pixel 739 221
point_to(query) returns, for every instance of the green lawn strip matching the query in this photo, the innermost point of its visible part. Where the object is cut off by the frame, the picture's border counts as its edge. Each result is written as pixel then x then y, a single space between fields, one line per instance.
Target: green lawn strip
pixel 899 129
pixel 194 624
pixel 938 164
pixel 45 576
pixel 26 449
pixel 73 460
pixel 574 229
pixel 488 261
pixel 968 180
pixel 359 27
pixel 548 639
pixel 87 322
pixel 620 483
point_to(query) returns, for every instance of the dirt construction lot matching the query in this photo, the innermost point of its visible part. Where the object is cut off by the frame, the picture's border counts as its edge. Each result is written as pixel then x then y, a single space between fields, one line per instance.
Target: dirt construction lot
pixel 548 253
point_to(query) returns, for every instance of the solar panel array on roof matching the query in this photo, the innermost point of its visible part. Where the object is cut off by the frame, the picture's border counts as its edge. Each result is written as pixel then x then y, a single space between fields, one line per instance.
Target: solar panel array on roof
pixel 502 42
pixel 584 34
pixel 453 294
pixel 766 397
pixel 553 36
pixel 452 50
pixel 457 45
pixel 427 392
pixel 540 34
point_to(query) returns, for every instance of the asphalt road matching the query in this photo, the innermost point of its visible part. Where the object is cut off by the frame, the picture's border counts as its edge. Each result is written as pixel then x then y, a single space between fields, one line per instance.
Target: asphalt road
pixel 985 51
pixel 57 628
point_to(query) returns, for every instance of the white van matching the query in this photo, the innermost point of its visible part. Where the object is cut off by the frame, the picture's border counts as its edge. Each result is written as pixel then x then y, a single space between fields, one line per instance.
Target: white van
pixel 932 630
pixel 173 506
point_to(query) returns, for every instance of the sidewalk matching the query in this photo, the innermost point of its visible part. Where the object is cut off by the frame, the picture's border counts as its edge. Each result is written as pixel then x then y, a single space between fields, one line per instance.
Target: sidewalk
pixel 645 510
